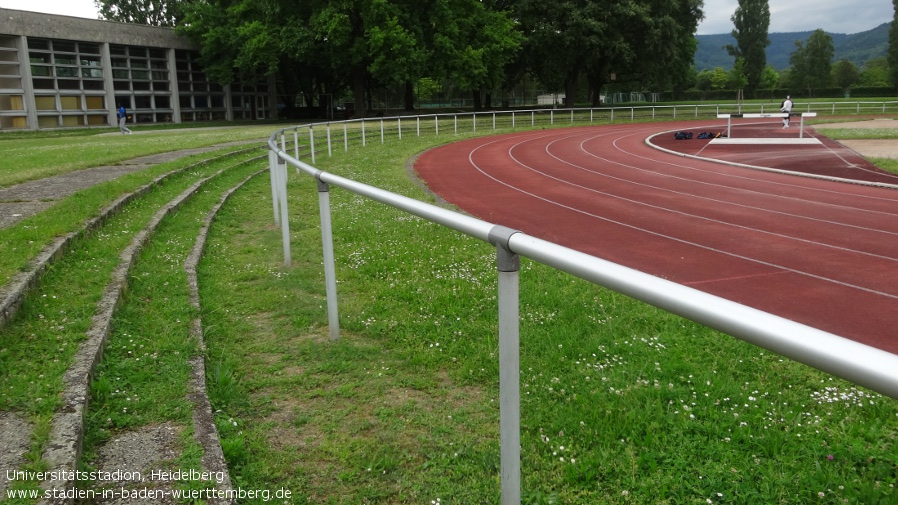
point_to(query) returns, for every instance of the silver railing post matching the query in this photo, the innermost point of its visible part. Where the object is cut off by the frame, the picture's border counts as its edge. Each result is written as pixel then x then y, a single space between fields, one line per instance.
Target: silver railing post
pixel 312 143
pixel 285 224
pixel 509 265
pixel 273 171
pixel 327 246
pixel 295 144
pixel 330 152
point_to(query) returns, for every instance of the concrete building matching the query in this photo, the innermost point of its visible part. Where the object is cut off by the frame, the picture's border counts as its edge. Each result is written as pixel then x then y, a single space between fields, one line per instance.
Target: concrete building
pixel 61 71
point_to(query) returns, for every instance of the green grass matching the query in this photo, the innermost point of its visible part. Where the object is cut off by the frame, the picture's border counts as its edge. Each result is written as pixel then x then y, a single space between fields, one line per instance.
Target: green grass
pixel 22 241
pixel 861 133
pixel 32 157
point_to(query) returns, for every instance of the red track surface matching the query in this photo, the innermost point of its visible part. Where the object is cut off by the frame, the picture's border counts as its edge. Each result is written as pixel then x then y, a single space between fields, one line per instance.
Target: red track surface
pixel 819 252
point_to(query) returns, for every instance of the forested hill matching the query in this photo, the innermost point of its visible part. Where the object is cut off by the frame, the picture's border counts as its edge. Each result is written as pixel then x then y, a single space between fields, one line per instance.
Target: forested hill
pixel 856 48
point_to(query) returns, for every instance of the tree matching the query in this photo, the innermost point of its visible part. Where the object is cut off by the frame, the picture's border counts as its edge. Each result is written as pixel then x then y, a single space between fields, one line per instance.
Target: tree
pixel 736 79
pixel 770 78
pixel 471 45
pixel 145 12
pixel 703 80
pixel 812 62
pixel 719 78
pixel 752 21
pixel 845 74
pixel 875 72
pixel 893 46
pixel 639 42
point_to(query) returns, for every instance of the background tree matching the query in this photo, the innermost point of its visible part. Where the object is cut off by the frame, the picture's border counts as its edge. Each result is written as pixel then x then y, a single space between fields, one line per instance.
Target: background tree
pixel 703 80
pixel 145 12
pixel 719 78
pixel 736 78
pixel 665 44
pixel 812 62
pixel 752 22
pixel 637 41
pixel 893 46
pixel 770 78
pixel 875 73
pixel 845 74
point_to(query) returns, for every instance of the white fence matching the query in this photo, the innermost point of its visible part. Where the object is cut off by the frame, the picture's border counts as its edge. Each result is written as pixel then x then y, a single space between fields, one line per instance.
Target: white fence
pixel 855 362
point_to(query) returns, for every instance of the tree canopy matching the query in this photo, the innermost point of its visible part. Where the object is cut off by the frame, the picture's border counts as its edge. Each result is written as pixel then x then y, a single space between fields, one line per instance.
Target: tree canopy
pixel 752 22
pixel 812 61
pixel 319 47
pixel 145 12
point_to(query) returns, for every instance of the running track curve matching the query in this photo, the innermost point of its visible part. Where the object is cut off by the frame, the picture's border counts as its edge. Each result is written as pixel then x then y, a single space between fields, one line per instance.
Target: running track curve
pixel 819 252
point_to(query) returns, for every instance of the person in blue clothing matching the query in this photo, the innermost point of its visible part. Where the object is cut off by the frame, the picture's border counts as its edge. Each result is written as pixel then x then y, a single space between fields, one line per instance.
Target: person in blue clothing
pixel 122 119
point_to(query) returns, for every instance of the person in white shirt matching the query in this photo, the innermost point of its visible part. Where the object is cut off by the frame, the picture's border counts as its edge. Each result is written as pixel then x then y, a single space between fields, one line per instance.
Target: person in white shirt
pixel 787 108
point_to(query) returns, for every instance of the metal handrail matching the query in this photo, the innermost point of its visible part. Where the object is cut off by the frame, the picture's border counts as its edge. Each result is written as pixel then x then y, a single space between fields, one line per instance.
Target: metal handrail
pixel 858 363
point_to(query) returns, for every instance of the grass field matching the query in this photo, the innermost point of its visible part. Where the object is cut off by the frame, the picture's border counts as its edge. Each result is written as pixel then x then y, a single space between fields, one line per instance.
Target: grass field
pixel 622 403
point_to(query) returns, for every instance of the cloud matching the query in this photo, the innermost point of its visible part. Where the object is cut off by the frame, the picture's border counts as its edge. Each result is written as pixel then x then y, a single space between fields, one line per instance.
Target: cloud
pixel 834 16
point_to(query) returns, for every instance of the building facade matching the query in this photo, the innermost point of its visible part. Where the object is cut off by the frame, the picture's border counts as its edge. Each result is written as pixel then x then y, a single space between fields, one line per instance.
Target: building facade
pixel 61 71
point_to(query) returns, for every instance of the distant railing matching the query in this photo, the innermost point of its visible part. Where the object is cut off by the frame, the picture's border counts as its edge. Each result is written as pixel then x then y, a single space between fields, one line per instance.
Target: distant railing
pixel 855 362
pixel 367 130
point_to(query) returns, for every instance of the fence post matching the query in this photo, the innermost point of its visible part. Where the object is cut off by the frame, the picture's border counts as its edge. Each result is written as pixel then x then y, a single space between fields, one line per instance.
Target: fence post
pixel 273 175
pixel 436 124
pixel 330 270
pixel 285 224
pixel 363 133
pixel 295 143
pixel 398 127
pixel 508 265
pixel 330 151
pixel 345 138
pixel 381 130
pixel 312 142
pixel 418 125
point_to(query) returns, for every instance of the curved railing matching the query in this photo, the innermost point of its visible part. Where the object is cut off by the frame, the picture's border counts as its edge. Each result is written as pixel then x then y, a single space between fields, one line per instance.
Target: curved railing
pixel 855 362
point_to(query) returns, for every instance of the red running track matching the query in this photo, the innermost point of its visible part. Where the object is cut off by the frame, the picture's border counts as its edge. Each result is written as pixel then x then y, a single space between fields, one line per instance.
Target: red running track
pixel 819 252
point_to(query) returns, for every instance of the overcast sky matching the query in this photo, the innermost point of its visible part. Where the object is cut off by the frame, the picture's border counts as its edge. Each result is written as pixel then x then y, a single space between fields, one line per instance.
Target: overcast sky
pixel 834 16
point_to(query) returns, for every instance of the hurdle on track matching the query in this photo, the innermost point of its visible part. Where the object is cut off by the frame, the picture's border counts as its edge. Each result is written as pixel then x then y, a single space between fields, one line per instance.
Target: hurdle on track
pixel 729 118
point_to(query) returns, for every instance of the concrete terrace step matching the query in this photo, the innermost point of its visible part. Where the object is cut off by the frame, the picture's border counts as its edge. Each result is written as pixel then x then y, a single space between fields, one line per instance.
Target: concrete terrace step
pixel 63 449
